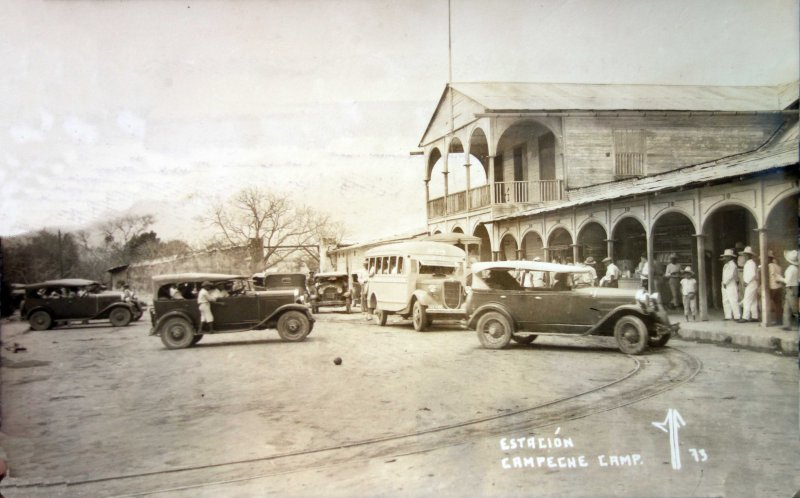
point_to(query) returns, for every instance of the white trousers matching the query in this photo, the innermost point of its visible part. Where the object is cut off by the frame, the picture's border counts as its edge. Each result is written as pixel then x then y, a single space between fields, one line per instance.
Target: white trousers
pixel 730 301
pixel 750 301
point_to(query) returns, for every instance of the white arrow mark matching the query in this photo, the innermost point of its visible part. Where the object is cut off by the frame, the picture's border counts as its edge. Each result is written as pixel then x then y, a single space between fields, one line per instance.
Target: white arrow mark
pixel 672 424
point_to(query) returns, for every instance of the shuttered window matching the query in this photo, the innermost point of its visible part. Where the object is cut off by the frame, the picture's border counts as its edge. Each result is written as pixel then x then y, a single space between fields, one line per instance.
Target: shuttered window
pixel 629 153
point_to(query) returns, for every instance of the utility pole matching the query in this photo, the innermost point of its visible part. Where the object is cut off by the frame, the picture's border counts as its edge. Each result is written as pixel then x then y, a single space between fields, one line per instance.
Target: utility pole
pixel 60 256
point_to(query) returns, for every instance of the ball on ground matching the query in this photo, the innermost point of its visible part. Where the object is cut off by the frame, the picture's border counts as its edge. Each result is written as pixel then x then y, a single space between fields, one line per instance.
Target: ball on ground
pixel 337 361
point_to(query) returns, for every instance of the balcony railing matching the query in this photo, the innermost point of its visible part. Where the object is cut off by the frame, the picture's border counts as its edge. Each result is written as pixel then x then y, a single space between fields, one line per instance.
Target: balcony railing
pixel 504 193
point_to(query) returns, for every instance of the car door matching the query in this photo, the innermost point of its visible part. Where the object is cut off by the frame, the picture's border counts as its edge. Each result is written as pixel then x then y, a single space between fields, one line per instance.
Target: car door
pixel 540 309
pixel 235 312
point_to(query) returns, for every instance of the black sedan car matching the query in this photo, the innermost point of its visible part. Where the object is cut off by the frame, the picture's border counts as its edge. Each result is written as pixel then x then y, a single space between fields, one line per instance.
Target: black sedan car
pixel 499 309
pixel 53 302
pixel 237 307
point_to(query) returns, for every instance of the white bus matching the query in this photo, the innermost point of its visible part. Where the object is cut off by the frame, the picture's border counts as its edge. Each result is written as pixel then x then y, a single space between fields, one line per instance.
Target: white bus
pixel 417 279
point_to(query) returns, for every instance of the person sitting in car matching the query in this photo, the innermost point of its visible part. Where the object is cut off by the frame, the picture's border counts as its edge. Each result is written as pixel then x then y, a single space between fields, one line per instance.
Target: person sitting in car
pixel 174 293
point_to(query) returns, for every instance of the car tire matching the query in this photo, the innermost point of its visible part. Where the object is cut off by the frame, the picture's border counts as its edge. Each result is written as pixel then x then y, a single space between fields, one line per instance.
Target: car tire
pixel 177 333
pixel 524 339
pixel 380 317
pixel 494 330
pixel 40 320
pixel 197 338
pixel 293 326
pixel 631 334
pixel 137 316
pixel 419 317
pixel 120 317
pixel 660 341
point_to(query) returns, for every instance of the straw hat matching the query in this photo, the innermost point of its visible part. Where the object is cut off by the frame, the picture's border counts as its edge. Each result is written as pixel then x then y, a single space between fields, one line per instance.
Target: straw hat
pixel 791 256
pixel 688 270
pixel 589 261
pixel 749 251
pixel 728 254
pixel 607 259
pixel 206 284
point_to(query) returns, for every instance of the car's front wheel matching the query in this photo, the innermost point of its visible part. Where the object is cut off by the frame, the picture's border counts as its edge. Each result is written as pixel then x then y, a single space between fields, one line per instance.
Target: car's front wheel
pixel 293 326
pixel 120 317
pixel 524 339
pixel 631 334
pixel 419 317
pixel 177 333
pixel 40 320
pixel 494 330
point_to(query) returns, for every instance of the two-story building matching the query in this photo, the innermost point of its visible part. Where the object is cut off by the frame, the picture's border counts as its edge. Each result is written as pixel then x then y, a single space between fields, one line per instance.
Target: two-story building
pixel 567 171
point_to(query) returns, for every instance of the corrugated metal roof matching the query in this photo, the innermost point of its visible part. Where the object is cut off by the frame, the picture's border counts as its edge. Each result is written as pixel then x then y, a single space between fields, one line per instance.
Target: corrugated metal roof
pixel 500 96
pixel 779 154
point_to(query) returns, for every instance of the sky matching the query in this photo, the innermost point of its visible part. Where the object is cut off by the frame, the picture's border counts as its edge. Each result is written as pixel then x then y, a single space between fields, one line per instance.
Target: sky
pixel 167 107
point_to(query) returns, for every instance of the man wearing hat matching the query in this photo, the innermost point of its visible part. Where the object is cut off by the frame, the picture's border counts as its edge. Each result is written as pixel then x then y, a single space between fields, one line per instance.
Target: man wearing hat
pixel 750 278
pixel 789 279
pixel 689 293
pixel 586 279
pixel 730 286
pixel 775 287
pixel 204 299
pixel 611 278
pixel 673 272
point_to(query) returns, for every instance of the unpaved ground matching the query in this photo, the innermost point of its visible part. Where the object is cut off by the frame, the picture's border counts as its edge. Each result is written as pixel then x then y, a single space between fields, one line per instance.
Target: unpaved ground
pixel 93 405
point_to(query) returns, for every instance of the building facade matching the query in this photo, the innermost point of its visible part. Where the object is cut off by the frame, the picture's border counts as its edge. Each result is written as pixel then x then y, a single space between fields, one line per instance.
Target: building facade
pixel 563 172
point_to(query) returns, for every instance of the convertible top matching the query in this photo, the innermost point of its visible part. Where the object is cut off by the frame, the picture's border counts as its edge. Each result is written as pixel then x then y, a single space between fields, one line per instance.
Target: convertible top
pixel 64 282
pixel 529 266
pixel 194 277
pixel 330 274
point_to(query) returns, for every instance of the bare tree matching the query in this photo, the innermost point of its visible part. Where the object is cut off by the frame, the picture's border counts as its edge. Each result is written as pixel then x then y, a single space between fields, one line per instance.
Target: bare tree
pixel 255 217
pixel 119 232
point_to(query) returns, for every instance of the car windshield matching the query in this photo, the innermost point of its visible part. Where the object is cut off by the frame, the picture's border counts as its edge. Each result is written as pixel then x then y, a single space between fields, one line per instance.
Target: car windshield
pixel 334 279
pixel 285 281
pixel 505 279
pixel 436 270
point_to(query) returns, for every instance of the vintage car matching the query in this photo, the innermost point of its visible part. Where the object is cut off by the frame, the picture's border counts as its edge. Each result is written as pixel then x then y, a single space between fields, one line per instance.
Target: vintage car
pixel 283 281
pixel 330 289
pixel 238 308
pixel 422 280
pixel 500 309
pixel 73 299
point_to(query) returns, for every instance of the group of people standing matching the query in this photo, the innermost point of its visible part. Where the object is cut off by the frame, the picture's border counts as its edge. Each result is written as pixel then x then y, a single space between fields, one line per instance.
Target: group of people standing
pixel 741 287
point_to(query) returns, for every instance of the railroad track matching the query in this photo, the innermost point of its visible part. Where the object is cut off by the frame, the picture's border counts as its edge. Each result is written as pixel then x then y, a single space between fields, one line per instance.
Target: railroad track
pixel 651 375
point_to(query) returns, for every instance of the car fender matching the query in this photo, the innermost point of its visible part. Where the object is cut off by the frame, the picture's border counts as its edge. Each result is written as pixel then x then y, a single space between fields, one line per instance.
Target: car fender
pixel 107 309
pixel 422 296
pixel 612 316
pixel 40 308
pixel 156 330
pixel 289 307
pixel 472 321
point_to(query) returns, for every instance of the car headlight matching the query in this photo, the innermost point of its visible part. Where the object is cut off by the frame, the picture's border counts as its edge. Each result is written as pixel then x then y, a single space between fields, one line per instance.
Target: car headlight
pixel 433 289
pixel 656 298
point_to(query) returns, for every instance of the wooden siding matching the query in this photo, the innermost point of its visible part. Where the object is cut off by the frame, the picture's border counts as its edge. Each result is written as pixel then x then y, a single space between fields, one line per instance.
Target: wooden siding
pixel 464 110
pixel 671 142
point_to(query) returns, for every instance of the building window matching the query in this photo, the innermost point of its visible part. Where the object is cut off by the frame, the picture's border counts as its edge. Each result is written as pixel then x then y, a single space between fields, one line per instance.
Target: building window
pixel 629 153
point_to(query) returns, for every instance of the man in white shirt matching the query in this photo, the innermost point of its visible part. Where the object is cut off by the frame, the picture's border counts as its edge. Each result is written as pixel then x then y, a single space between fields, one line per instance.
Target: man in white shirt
pixel 643 270
pixel 611 278
pixel 673 273
pixel 204 299
pixel 775 290
pixel 790 294
pixel 730 288
pixel 586 279
pixel 750 277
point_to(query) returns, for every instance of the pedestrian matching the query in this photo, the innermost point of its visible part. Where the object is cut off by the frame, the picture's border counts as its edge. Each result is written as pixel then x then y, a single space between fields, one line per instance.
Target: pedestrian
pixel 539 278
pixel 204 299
pixel 775 290
pixel 730 286
pixel 611 278
pixel 689 293
pixel 789 281
pixel 644 271
pixel 750 278
pixel 588 278
pixel 673 272
pixel 363 277
pixel 127 293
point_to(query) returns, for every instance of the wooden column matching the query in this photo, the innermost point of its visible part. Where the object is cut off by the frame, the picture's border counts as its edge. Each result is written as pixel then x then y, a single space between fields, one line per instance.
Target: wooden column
pixel 610 248
pixel 445 173
pixel 427 199
pixel 469 197
pixel 702 285
pixel 764 276
pixel 492 200
pixel 575 253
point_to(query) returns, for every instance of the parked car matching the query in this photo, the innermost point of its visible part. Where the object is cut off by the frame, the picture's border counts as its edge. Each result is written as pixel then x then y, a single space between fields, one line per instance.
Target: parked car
pixel 50 303
pixel 283 281
pixel 330 289
pixel 418 279
pixel 239 308
pixel 499 309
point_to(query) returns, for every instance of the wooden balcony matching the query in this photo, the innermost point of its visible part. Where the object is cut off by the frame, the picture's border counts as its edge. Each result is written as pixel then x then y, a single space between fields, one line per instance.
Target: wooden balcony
pixel 533 192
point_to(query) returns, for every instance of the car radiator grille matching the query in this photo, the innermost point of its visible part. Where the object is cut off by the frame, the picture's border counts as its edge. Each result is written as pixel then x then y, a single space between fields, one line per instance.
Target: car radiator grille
pixel 452 294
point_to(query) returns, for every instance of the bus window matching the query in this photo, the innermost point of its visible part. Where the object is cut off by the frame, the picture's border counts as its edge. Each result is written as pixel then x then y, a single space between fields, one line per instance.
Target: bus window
pixel 399 265
pixel 393 265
